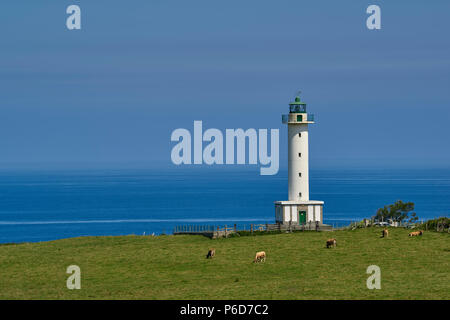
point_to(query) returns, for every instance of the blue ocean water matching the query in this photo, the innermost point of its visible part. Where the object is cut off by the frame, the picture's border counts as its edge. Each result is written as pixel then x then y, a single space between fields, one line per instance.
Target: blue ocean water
pixel 49 205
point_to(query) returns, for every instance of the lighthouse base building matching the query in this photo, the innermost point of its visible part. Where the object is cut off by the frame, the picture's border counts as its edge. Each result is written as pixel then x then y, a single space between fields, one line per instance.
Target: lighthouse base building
pixel 298 212
pixel 298 209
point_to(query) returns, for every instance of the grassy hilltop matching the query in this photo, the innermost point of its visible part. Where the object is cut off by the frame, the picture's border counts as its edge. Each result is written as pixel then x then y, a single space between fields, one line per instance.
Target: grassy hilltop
pixel 298 266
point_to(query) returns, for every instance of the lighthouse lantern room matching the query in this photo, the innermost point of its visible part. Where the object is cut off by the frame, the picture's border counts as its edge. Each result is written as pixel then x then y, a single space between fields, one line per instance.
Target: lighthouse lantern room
pixel 298 209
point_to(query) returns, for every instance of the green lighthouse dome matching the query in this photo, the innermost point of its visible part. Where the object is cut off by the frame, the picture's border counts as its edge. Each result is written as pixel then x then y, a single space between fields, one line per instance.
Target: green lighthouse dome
pixel 297 106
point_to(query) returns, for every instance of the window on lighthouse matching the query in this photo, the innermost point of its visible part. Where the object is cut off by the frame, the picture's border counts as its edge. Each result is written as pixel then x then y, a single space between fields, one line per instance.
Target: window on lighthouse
pixel 299 174
pixel 300 194
pixel 300 134
pixel 299 154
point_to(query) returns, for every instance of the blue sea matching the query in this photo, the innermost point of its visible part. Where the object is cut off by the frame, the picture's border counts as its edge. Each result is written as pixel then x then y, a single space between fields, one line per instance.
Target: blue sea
pixel 53 204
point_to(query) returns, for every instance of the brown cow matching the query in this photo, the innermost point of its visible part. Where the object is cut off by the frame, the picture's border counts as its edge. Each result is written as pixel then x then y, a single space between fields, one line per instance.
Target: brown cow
pixel 385 233
pixel 211 253
pixel 416 233
pixel 260 256
pixel 331 243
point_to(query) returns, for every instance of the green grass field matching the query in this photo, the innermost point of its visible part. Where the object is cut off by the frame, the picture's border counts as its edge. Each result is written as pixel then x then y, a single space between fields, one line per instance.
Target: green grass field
pixel 298 266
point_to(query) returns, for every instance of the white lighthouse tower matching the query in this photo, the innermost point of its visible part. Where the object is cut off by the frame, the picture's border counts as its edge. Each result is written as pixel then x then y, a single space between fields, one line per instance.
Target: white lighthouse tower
pixel 298 209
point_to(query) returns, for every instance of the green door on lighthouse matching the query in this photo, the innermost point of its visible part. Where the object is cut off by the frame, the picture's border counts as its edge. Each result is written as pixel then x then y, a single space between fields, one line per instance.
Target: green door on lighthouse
pixel 301 217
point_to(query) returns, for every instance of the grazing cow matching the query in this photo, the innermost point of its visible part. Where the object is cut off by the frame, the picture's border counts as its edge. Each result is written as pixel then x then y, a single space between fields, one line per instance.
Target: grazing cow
pixel 260 256
pixel 416 233
pixel 211 253
pixel 331 243
pixel 385 233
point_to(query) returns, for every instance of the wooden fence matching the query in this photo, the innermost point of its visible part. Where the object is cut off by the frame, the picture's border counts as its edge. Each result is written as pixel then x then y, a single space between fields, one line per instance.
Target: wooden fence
pixel 224 231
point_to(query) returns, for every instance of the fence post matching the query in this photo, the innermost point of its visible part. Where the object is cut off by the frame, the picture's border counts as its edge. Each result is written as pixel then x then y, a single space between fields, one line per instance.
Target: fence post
pixel 235 229
pixel 251 228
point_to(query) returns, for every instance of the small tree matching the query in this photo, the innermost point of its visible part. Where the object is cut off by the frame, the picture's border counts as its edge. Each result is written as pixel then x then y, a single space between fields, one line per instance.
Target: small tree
pixel 382 214
pixel 397 212
pixel 413 218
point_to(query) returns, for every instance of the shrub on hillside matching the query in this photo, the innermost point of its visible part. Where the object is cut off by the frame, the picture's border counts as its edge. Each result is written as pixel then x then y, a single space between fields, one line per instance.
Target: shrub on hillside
pixel 439 224
pixel 398 212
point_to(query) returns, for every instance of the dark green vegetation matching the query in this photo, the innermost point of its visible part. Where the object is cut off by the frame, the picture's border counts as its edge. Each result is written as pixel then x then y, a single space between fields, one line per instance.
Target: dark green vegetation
pixel 298 266
pixel 398 211
pixel 441 224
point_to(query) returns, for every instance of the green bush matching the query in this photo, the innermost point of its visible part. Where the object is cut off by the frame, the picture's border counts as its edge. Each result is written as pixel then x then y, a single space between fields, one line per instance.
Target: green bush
pixel 432 225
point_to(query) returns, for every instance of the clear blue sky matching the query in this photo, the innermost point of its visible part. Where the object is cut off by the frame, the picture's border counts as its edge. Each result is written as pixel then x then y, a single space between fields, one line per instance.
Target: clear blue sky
pixel 113 92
